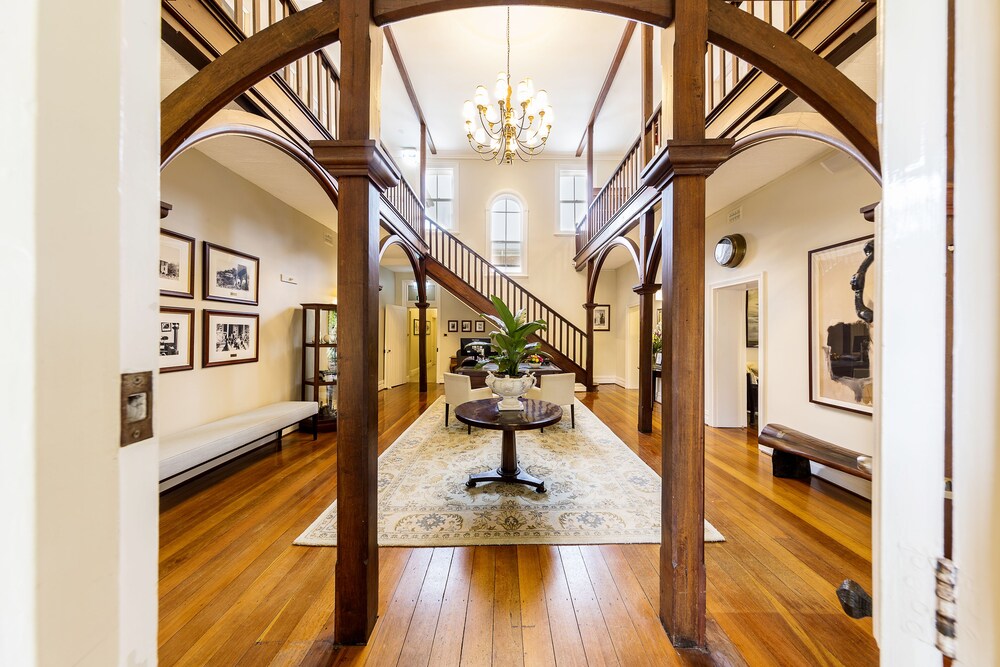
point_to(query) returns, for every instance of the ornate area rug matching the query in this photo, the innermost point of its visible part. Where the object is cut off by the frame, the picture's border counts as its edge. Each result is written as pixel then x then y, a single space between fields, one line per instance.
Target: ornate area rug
pixel 598 490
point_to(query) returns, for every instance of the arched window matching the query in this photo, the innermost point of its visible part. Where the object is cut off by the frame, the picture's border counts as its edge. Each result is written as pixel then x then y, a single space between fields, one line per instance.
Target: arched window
pixel 507 234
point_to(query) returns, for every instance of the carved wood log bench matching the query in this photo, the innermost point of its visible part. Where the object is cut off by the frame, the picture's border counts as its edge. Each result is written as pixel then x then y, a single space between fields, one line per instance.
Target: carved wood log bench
pixel 793 450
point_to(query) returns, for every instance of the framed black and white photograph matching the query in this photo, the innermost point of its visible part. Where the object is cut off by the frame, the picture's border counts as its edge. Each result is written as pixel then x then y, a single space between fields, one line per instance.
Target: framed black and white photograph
pixel 466 326
pixel 840 342
pixel 176 265
pixel 176 339
pixel 480 326
pixel 452 326
pixel 602 317
pixel 230 275
pixel 229 338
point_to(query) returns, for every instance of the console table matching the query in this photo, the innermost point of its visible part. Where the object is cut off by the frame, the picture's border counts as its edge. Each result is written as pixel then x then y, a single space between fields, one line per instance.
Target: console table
pixel 485 414
pixel 478 375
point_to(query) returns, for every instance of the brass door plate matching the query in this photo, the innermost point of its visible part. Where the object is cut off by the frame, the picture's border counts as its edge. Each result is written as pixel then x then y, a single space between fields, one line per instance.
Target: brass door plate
pixel 136 407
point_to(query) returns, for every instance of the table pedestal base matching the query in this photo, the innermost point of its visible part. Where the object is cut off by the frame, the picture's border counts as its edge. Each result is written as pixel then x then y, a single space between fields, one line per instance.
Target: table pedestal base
pixel 508 471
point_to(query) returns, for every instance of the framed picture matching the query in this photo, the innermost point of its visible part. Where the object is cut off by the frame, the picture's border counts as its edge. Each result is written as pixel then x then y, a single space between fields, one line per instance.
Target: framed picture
pixel 176 265
pixel 480 326
pixel 840 342
pixel 753 317
pixel 430 290
pixel 452 326
pixel 466 326
pixel 230 275
pixel 176 339
pixel 229 338
pixel 416 327
pixel 602 317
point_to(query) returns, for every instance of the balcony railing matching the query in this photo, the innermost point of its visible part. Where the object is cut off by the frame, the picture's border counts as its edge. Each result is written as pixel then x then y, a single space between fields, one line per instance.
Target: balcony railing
pixel 407 205
pixel 313 78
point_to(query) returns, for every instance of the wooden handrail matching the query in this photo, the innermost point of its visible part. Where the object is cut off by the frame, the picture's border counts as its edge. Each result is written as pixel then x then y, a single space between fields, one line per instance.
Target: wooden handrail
pixel 487 279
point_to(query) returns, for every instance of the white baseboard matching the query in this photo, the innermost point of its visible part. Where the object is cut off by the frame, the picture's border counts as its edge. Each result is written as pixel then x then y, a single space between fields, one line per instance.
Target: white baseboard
pixel 605 379
pixel 381 385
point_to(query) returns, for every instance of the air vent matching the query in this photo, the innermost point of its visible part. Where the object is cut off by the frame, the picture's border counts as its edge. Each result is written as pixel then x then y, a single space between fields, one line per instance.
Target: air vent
pixel 735 215
pixel 328 238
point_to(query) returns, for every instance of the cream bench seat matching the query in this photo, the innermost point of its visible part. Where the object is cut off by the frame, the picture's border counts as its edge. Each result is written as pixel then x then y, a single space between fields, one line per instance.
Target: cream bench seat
pixel 193 451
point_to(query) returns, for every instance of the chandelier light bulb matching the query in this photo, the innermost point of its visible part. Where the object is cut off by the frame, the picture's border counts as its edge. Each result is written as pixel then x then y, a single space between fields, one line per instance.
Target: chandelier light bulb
pixel 501 88
pixel 542 99
pixel 522 91
pixel 469 111
pixel 531 86
pixel 482 96
pixel 480 136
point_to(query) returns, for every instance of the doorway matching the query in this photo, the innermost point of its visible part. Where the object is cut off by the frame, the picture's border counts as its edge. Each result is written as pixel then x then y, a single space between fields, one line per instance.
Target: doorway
pixel 735 362
pixel 631 376
pixel 395 351
pixel 413 362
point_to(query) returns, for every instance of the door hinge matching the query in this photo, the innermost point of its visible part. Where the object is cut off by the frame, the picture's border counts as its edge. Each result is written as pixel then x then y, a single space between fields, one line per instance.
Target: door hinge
pixel 947 579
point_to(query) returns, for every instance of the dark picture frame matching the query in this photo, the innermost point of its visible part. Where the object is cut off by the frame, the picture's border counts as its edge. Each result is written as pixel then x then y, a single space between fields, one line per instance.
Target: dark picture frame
pixel 173 342
pixel 480 326
pixel 233 279
pixel 416 327
pixel 182 247
pixel 846 372
pixel 210 334
pixel 452 326
pixel 466 326
pixel 602 317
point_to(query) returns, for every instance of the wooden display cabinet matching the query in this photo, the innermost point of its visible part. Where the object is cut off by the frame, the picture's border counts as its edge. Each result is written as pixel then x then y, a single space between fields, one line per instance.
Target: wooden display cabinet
pixel 319 361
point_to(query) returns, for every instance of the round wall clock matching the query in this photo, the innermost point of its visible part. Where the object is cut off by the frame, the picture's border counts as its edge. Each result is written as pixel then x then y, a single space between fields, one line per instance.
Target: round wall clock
pixel 730 250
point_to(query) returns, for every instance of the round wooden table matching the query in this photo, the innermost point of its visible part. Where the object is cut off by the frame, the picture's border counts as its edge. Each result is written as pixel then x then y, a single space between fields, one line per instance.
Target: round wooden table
pixel 485 414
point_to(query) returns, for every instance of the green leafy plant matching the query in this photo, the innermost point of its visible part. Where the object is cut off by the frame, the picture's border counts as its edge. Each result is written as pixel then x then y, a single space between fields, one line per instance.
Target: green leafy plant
pixel 510 340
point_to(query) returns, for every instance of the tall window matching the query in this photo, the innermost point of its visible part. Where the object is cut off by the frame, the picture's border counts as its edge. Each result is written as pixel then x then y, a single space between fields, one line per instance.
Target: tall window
pixel 572 198
pixel 507 234
pixel 440 204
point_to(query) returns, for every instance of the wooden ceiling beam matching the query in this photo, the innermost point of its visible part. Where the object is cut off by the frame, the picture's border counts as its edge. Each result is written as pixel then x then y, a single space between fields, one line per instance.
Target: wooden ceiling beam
pixel 390 39
pixel 616 63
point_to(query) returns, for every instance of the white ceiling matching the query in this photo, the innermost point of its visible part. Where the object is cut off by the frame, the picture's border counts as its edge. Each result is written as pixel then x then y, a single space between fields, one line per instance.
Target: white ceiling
pixel 566 52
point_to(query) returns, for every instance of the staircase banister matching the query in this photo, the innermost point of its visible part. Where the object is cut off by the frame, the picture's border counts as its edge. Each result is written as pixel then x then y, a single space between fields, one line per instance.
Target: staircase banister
pixel 634 147
pixel 653 116
pixel 322 54
pixel 503 276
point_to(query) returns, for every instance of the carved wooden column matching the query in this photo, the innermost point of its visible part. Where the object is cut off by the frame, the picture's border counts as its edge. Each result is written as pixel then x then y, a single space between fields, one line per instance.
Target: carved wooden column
pixel 681 171
pixel 363 172
pixel 589 307
pixel 422 345
pixel 646 391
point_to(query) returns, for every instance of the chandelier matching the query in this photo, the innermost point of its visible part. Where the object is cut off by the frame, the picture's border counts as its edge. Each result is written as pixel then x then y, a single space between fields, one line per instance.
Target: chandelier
pixel 506 130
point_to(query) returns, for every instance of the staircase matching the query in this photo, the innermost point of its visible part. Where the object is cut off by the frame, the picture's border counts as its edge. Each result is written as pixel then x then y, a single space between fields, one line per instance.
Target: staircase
pixel 466 274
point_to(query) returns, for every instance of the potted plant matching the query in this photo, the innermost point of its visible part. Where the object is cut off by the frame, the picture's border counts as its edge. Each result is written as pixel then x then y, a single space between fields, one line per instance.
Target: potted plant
pixel 511 348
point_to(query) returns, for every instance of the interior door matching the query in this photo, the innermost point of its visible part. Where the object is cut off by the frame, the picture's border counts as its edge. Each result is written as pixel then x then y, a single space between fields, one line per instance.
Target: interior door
pixel 395 345
pixel 632 349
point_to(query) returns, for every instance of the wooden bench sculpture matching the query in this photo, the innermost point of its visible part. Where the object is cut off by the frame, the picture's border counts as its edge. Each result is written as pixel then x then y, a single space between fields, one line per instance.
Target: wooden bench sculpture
pixel 793 450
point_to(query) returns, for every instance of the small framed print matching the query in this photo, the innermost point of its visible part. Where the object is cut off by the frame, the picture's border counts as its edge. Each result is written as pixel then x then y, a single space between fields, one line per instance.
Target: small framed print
pixel 416 327
pixel 176 265
pixel 452 326
pixel 229 338
pixel 602 317
pixel 466 326
pixel 480 326
pixel 176 339
pixel 230 275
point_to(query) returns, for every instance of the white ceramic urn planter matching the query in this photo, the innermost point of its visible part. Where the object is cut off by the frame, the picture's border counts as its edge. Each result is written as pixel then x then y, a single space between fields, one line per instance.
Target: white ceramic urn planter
pixel 510 389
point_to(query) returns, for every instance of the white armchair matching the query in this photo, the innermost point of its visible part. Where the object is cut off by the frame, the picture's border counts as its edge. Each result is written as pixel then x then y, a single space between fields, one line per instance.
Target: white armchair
pixel 457 390
pixel 558 389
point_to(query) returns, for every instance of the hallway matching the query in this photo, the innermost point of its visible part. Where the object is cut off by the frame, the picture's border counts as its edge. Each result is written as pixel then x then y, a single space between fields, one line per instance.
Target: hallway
pixel 233 589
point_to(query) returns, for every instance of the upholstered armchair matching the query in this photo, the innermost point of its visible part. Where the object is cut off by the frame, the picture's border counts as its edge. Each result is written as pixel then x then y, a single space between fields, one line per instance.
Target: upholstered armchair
pixel 557 389
pixel 457 390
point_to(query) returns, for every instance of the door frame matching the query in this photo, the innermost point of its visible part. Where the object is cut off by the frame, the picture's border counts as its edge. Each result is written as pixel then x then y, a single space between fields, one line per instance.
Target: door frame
pixel 713 378
pixel 631 347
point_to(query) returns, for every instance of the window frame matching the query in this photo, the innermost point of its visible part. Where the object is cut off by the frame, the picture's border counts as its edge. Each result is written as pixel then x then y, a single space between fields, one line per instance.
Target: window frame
pixel 453 167
pixel 560 169
pixel 508 194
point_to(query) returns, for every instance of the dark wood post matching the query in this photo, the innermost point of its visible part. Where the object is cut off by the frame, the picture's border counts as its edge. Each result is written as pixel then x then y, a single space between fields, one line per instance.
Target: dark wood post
pixel 646 100
pixel 422 345
pixel 363 172
pixel 589 307
pixel 689 161
pixel 646 311
pixel 423 184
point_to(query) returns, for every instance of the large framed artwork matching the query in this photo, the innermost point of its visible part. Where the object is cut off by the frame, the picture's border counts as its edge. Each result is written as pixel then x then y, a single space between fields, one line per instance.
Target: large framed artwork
pixel 602 317
pixel 840 342
pixel 176 265
pixel 176 339
pixel 230 275
pixel 229 338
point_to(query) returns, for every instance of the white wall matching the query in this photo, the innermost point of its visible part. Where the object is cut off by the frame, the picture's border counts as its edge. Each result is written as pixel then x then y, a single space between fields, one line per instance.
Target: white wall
pixel 78 196
pixel 213 204
pixel 806 209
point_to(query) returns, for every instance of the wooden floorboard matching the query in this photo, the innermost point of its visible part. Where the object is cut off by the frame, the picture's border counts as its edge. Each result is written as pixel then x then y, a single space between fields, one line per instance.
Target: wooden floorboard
pixel 235 591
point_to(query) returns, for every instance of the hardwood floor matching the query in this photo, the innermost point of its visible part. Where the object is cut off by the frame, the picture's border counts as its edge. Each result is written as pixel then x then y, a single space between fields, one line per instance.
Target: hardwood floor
pixel 234 591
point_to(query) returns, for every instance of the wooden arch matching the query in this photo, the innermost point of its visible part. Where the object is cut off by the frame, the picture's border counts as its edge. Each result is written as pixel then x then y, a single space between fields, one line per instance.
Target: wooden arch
pixel 807 75
pixel 622 241
pixel 289 148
